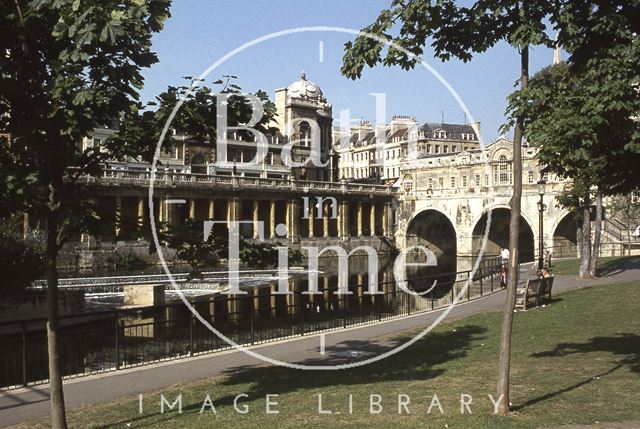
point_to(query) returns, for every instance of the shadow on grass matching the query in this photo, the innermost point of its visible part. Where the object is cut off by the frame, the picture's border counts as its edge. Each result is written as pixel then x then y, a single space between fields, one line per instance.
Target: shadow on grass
pixel 625 345
pixel 423 360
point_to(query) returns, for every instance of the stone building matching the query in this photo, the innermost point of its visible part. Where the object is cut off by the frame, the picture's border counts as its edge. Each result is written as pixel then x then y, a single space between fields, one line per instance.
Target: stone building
pixel 303 115
pixel 380 154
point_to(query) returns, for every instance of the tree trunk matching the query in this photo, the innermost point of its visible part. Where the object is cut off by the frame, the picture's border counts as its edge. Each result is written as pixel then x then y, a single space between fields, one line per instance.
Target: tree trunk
pixel 596 236
pixel 579 240
pixel 58 417
pixel 629 220
pixel 585 252
pixel 504 364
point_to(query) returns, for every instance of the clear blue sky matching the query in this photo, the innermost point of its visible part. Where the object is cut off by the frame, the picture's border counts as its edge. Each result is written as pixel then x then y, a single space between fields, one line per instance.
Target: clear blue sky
pixel 199 32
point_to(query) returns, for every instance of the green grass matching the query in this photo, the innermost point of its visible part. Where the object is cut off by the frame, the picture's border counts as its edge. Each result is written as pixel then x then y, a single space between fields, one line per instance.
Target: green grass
pixel 571 266
pixel 575 361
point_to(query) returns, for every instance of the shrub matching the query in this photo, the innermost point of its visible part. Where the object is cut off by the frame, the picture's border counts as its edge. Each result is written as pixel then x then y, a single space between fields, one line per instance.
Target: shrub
pixel 22 259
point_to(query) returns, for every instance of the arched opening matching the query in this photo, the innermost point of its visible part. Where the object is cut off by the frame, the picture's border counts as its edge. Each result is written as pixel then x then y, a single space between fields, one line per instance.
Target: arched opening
pixel 565 239
pixel 198 164
pixel 499 235
pixel 434 230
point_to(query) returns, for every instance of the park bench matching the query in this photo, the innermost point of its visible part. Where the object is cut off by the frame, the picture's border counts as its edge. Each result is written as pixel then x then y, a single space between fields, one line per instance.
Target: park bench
pixel 529 293
pixel 545 288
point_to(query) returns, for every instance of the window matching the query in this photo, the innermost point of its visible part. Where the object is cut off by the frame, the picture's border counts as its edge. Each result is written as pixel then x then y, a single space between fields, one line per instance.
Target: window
pixel 503 169
pixel 430 183
pixel 453 182
pixel 445 149
pixel 545 177
pixel 477 180
pixel 428 148
pixel 408 185
pixel 305 134
pixel 486 180
pixel 530 176
pixel 464 181
pixel 453 148
pixel 437 147
pixel 441 182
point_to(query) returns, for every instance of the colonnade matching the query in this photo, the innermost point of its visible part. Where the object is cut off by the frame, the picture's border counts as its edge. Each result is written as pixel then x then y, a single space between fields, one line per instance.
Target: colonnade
pixel 282 218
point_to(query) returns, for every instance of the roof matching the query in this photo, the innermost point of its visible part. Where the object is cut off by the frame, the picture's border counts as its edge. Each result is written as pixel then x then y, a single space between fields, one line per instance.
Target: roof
pixel 454 130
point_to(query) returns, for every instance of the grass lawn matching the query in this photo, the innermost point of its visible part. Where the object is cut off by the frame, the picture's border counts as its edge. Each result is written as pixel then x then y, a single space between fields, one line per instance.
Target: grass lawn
pixel 571 266
pixel 575 361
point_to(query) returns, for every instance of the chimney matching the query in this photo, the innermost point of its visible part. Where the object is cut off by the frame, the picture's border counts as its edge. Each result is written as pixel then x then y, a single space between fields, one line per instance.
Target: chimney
pixel 476 128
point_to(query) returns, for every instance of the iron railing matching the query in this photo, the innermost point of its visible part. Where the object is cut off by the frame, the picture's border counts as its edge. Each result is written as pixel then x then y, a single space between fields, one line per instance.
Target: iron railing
pixel 111 340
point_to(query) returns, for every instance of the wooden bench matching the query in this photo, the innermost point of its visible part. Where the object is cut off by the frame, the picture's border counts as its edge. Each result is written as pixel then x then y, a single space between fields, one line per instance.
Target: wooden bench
pixel 529 293
pixel 545 288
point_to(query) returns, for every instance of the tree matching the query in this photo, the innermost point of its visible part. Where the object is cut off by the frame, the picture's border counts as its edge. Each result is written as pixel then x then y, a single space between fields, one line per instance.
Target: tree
pixel 460 32
pixel 197 117
pixel 582 115
pixel 67 67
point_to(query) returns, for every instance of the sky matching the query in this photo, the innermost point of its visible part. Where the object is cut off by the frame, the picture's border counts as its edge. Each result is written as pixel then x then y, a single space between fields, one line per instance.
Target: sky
pixel 201 32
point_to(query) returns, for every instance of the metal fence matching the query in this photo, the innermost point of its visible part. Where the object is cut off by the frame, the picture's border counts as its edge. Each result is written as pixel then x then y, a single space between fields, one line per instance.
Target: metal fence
pixel 106 341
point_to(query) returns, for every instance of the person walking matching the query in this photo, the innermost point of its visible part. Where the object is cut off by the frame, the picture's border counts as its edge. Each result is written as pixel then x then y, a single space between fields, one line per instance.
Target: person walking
pixel 504 270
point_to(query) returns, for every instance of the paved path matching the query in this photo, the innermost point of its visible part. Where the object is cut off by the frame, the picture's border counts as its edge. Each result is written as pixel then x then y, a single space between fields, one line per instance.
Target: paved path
pixel 344 346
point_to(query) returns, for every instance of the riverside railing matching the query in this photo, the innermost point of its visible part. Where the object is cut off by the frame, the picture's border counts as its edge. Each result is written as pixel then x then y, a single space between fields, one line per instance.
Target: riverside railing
pixel 111 340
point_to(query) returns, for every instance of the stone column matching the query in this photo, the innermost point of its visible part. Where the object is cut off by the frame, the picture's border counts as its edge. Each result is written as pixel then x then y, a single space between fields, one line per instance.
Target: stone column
pixel 372 220
pixel 272 219
pixel 293 220
pixel 170 213
pixel 212 209
pixel 359 219
pixel 140 216
pixel 256 212
pixel 388 223
pixel 344 215
pixel 312 221
pixel 118 225
pixel 232 305
pixel 272 300
pixel 192 209
pixel 256 300
pixel 232 209
pixel 162 210
pixel 339 220
pixel 385 220
pixel 325 220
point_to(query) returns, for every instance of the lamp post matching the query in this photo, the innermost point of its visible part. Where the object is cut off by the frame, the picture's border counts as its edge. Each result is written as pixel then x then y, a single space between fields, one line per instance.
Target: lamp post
pixel 541 189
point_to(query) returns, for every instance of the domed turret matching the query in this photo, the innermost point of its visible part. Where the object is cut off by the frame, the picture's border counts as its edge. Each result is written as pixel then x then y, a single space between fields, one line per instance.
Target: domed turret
pixel 304 88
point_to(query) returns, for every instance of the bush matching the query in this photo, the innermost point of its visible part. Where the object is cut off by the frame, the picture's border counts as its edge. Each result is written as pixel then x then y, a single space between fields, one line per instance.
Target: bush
pixel 22 259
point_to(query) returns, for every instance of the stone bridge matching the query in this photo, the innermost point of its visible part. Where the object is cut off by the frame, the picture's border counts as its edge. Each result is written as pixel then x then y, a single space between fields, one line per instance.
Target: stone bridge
pixel 446 202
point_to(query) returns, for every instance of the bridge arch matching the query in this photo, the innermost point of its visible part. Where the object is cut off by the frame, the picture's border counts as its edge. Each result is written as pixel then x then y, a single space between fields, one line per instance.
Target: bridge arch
pixel 565 237
pixel 499 233
pixel 432 228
